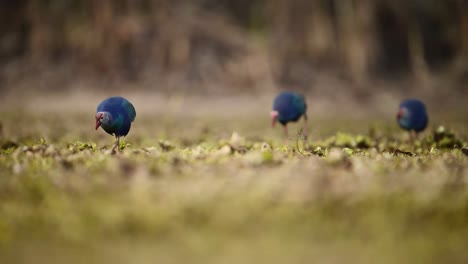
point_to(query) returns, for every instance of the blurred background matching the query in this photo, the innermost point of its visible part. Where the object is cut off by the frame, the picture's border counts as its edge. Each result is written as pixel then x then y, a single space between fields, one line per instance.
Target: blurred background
pixel 210 189
pixel 360 51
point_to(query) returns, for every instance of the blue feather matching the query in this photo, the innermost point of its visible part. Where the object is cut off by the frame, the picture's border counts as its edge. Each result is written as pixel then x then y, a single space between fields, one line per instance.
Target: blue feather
pixel 122 114
pixel 413 115
pixel 290 107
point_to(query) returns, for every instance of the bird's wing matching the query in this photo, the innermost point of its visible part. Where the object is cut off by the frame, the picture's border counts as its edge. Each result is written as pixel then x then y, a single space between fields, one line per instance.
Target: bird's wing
pixel 130 109
pixel 124 127
pixel 300 103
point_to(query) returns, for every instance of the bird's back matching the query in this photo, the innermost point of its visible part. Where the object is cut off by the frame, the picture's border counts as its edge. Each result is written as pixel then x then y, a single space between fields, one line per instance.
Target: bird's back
pixel 117 105
pixel 290 106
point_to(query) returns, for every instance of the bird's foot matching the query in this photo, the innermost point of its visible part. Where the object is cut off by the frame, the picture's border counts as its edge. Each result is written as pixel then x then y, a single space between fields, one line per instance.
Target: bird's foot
pixel 304 137
pixel 116 145
pixel 116 148
pixel 110 152
pixel 302 134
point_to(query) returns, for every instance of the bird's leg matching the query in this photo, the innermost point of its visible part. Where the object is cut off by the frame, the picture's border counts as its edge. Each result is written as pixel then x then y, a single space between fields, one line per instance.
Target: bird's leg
pixel 413 136
pixel 116 144
pixel 304 128
pixel 285 128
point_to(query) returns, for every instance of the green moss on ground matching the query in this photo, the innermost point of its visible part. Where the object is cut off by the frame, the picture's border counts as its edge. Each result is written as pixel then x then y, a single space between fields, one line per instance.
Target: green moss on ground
pixel 214 195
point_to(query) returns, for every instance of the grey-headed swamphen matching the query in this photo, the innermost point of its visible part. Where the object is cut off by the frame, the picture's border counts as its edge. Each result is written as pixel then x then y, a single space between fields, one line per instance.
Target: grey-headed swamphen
pixel 412 116
pixel 289 107
pixel 115 115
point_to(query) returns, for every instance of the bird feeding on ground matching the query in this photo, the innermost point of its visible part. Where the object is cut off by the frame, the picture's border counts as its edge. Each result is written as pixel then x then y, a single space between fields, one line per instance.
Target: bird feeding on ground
pixel 412 116
pixel 289 107
pixel 115 115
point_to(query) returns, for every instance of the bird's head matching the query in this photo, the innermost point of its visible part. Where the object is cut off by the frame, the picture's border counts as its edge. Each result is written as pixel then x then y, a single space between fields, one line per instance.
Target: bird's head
pixel 102 118
pixel 402 113
pixel 274 117
pixel 404 117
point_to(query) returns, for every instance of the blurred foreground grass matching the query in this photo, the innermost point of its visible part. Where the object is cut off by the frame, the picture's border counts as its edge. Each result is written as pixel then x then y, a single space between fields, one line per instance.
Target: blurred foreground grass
pixel 197 191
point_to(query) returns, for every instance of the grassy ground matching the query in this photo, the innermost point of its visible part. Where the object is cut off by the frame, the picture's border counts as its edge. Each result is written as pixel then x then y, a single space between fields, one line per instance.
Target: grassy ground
pixel 230 190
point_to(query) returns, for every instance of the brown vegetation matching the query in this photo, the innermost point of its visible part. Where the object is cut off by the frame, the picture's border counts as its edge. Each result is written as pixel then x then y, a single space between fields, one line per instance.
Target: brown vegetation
pixel 246 45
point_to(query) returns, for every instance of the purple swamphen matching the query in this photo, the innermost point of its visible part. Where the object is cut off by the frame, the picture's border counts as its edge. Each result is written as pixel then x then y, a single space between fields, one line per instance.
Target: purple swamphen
pixel 115 115
pixel 412 116
pixel 289 107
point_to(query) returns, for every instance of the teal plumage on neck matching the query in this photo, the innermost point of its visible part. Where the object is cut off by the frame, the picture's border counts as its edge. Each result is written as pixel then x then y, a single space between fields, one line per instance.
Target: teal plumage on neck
pixel 113 127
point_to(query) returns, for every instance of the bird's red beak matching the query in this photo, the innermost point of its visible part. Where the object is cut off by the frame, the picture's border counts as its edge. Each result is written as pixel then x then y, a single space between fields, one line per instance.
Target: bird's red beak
pixel 400 114
pixel 274 116
pixel 98 120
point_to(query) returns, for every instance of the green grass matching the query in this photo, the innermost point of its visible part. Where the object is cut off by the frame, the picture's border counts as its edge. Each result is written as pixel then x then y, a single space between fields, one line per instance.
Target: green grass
pixel 230 191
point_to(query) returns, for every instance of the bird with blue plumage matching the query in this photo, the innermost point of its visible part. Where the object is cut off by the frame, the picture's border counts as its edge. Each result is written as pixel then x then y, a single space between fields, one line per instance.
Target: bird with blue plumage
pixel 412 116
pixel 115 115
pixel 288 107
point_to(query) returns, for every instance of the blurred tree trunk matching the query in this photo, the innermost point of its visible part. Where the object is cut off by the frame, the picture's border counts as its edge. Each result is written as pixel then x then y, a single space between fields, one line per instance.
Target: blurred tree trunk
pixel 48 34
pixel 129 31
pixel 356 36
pixel 159 10
pixel 320 35
pixel 14 30
pixel 418 64
pixel 461 63
pixel 280 12
pixel 106 46
pixel 40 31
pixel 173 45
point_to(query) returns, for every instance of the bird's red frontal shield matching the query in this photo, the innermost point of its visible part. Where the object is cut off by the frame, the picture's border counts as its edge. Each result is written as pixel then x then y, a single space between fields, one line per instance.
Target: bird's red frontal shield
pixel 98 120
pixel 274 116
